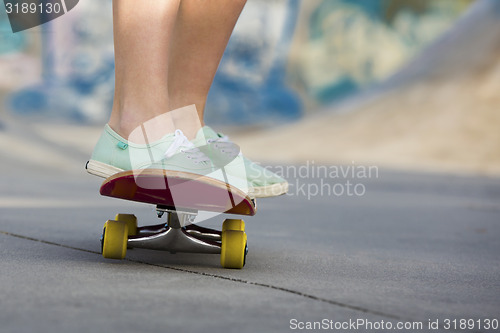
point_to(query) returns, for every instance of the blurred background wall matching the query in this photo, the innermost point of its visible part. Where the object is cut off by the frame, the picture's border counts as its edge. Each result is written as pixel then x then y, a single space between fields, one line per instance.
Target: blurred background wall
pixel 407 84
pixel 285 59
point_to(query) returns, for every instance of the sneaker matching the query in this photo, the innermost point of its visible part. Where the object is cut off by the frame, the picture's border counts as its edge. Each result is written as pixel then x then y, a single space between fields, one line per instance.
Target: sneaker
pixel 113 154
pixel 261 182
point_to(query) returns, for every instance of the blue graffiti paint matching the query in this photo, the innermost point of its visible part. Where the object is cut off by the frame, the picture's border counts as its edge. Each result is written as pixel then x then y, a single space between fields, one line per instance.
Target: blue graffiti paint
pixel 239 98
pixel 10 42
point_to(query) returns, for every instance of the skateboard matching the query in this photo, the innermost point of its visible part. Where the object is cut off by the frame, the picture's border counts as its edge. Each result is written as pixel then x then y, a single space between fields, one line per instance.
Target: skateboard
pixel 179 195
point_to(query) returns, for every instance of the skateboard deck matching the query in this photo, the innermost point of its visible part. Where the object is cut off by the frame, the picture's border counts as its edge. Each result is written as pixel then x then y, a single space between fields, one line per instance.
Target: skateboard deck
pixel 176 190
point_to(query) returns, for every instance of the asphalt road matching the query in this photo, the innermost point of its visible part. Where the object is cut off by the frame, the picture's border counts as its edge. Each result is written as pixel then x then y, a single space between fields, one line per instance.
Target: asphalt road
pixel 411 248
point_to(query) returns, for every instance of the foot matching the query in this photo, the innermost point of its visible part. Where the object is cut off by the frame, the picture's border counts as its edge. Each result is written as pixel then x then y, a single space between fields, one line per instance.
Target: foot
pixel 113 154
pixel 261 182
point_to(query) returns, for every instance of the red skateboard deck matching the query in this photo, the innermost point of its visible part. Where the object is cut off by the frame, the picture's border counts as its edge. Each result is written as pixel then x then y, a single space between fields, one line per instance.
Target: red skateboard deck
pixel 178 190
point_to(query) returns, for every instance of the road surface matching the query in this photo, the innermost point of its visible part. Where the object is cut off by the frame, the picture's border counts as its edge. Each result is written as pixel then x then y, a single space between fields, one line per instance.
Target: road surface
pixel 410 249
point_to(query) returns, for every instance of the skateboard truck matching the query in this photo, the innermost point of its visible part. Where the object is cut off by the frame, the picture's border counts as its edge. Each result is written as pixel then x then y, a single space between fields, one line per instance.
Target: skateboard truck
pixel 177 235
pixel 187 215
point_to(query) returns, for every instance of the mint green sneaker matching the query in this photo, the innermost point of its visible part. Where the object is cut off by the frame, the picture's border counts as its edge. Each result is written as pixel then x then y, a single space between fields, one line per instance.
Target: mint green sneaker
pixel 113 154
pixel 262 183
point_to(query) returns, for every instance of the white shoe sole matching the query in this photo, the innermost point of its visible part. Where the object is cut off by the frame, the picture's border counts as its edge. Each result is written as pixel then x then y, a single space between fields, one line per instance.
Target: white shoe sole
pixel 100 169
pixel 104 170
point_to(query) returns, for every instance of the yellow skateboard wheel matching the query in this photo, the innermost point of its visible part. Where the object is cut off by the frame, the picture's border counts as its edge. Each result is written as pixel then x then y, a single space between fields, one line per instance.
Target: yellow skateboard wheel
pixel 114 239
pixel 233 224
pixel 233 249
pixel 131 221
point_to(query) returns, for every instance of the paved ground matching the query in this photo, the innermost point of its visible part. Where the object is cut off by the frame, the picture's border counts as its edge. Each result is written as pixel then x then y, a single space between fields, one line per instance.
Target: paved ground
pixel 413 248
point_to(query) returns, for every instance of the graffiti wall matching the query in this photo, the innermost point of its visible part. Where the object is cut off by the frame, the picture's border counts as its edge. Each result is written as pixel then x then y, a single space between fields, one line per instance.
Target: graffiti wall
pixel 285 58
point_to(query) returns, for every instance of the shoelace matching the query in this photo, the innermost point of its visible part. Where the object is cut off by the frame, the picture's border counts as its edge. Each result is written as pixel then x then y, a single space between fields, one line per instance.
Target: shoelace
pixel 225 146
pixel 182 144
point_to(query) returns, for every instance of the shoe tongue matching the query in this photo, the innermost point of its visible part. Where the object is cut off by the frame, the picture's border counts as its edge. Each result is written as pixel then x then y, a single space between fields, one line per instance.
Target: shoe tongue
pixel 205 133
pixel 179 141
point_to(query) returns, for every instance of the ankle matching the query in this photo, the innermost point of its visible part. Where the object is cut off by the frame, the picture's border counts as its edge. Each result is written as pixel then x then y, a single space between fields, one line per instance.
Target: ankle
pixel 142 131
pixel 146 127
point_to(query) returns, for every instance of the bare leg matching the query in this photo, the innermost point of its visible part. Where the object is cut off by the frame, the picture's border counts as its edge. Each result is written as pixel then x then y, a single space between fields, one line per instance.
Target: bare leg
pixel 166 56
pixel 200 37
pixel 142 35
